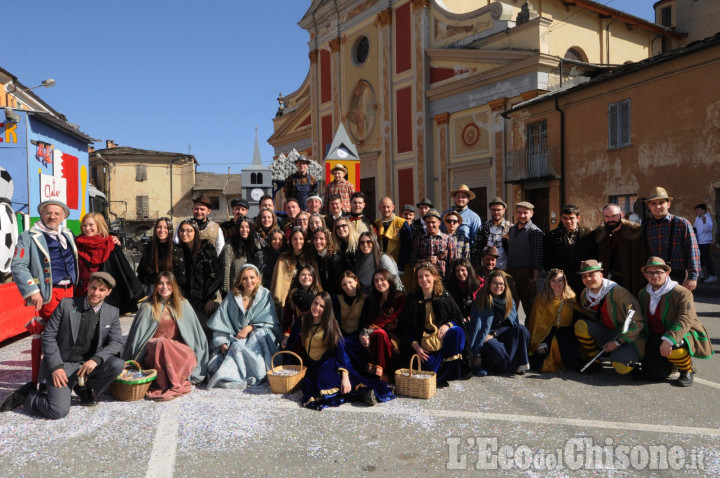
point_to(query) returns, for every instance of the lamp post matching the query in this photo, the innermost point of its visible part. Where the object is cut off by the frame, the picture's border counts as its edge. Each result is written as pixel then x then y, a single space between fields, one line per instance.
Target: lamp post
pixel 10 87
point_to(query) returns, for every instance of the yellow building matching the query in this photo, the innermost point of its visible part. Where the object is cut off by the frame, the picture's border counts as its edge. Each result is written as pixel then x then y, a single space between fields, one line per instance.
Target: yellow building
pixel 420 85
pixel 142 186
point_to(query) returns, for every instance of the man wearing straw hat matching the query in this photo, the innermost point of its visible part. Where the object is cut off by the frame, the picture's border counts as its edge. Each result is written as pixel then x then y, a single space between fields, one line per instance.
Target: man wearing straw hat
pixel 672 238
pixel 675 334
pixel 471 222
pixel 606 327
pixel 81 342
pixel 340 186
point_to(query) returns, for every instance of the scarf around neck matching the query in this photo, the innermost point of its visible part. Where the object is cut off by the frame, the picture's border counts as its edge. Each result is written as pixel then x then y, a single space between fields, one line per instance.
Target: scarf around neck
pixel 302 298
pixel 94 249
pixel 655 295
pixel 594 299
pixel 55 234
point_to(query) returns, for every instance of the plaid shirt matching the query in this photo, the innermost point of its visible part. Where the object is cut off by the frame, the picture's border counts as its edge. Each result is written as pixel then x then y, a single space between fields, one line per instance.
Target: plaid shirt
pixel 344 189
pixel 680 251
pixel 441 246
pixel 87 306
pixel 463 245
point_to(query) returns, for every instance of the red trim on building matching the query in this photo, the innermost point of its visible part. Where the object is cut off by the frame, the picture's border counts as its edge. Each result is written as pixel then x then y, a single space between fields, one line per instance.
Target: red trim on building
pixel 406 187
pixel 404 120
pixel 305 122
pixel 403 39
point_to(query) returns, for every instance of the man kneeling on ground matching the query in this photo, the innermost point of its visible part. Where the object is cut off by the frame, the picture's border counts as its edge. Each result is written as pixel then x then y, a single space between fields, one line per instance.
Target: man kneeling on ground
pixel 675 334
pixel 81 343
pixel 609 304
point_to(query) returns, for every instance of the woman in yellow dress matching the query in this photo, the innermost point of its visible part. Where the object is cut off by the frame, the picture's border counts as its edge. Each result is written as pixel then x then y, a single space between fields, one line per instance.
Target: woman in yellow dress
pixel 553 345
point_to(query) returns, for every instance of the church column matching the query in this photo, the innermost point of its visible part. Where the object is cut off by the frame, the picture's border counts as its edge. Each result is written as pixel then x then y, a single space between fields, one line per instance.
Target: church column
pixel 336 62
pixel 383 22
pixel 423 140
pixel 497 107
pixel 442 154
pixel 314 106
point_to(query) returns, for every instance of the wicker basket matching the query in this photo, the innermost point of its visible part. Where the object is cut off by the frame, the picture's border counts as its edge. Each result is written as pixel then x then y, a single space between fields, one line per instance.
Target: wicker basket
pixel 413 386
pixel 131 390
pixel 285 383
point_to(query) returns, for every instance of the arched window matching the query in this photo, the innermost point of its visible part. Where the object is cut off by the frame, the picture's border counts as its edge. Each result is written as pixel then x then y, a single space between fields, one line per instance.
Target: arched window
pixel 259 178
pixel 575 53
pixel 253 178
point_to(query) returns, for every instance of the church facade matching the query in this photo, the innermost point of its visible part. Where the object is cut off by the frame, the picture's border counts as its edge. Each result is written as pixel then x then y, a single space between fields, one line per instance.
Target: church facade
pixel 421 85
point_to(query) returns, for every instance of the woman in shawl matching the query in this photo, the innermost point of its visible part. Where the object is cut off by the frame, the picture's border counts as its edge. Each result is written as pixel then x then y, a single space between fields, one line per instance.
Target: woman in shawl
pixel 433 327
pixel 241 249
pixel 497 339
pixel 370 258
pixel 553 345
pixel 265 222
pixel 287 267
pixel 160 254
pixel 202 269
pixel 274 246
pixel 330 379
pixel 166 336
pixel 99 251
pixel 350 309
pixel 244 333
pixel 305 288
pixel 346 237
pixel 464 285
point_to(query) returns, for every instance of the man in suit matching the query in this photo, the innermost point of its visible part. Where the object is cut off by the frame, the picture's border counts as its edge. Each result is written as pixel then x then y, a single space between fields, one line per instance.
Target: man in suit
pixel 81 343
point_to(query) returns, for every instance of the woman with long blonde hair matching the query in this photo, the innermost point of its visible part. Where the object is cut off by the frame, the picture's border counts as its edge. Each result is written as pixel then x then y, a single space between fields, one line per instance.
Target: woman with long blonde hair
pixel 497 339
pixel 166 336
pixel 245 330
pixel 553 345
pixel 100 251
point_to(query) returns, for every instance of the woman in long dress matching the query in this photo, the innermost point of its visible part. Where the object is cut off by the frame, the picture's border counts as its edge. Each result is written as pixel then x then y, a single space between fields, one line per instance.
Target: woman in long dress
pixel 497 339
pixel 382 337
pixel 330 379
pixel 304 289
pixel 350 309
pixel 553 345
pixel 167 336
pixel 245 330
pixel 433 327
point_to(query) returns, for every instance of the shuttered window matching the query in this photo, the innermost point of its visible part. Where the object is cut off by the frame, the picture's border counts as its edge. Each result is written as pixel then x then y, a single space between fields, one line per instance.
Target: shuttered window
pixel 143 207
pixel 140 172
pixel 619 124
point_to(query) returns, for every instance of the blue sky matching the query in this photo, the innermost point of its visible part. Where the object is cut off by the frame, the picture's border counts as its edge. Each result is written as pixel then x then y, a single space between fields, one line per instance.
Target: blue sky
pixel 170 75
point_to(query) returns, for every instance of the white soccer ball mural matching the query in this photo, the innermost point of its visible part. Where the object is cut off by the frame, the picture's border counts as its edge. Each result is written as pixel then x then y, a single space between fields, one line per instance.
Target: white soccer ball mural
pixel 8 222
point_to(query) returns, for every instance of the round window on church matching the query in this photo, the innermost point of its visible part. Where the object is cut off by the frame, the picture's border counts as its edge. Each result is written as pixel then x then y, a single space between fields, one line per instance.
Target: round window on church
pixel 360 50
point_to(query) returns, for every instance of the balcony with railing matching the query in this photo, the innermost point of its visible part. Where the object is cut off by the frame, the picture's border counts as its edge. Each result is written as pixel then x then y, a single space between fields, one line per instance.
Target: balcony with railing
pixel 535 162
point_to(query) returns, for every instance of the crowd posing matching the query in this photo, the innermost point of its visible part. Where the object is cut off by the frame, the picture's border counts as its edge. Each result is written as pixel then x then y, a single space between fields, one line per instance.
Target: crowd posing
pixel 355 298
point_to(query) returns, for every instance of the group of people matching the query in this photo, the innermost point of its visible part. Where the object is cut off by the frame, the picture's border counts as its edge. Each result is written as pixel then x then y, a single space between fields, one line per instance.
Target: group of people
pixel 356 298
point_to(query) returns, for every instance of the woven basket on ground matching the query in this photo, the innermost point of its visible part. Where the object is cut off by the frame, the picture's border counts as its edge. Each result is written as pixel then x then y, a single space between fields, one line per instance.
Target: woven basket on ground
pixel 131 390
pixel 415 383
pixel 281 378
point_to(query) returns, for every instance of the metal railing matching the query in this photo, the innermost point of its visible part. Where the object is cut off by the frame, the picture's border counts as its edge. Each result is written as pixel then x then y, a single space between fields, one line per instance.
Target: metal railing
pixel 535 162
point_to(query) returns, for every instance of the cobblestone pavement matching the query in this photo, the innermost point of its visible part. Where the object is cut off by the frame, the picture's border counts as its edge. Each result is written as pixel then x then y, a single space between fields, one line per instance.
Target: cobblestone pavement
pixel 537 425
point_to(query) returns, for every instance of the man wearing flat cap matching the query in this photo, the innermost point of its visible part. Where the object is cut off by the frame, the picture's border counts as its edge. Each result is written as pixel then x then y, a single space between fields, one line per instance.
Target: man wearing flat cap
pixel 301 184
pixel 471 222
pixel 408 213
pixel 45 263
pixel 434 246
pixel 525 254
pixel 240 208
pixel 209 229
pixel 607 306
pixel 81 343
pixel 672 238
pixel 492 233
pixel 340 186
pixel 675 334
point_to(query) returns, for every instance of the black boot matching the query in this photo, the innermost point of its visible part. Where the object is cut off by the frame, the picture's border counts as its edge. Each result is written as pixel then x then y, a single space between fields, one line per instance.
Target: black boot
pixel 18 397
pixel 685 379
pixel 86 396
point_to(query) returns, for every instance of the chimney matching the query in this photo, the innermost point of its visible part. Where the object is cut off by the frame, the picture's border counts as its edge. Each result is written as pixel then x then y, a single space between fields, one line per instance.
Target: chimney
pixel 110 144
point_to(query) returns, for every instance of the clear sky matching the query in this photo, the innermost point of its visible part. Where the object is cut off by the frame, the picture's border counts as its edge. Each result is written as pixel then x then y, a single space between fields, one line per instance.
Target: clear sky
pixel 170 75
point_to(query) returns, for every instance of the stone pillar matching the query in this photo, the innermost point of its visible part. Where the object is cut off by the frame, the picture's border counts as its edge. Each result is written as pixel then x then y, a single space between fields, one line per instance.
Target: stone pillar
pixel 383 22
pixel 314 105
pixel 498 140
pixel 442 157
pixel 423 141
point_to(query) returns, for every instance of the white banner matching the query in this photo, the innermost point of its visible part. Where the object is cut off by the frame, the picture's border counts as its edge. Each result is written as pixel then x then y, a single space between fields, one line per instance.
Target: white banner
pixel 53 187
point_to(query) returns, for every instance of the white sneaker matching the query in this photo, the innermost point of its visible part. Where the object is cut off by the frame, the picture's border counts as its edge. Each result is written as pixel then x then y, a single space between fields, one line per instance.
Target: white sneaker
pixel 711 279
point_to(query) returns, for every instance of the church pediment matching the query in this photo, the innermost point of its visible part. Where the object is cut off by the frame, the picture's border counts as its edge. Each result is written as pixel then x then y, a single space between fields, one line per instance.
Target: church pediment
pixel 448 64
pixel 447 27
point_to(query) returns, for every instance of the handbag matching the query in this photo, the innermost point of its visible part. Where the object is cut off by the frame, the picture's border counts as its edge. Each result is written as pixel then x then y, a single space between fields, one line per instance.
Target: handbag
pixel 430 341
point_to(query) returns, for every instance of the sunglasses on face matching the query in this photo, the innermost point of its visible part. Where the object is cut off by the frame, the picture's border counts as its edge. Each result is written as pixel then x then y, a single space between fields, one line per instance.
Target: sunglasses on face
pixel 362 243
pixel 451 221
pixel 341 226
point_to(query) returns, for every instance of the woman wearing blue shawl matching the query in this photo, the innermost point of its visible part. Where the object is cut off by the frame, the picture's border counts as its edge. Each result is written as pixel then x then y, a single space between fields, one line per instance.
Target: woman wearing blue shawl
pixel 498 341
pixel 166 335
pixel 330 379
pixel 244 328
